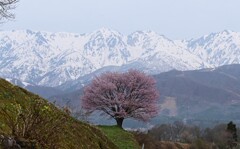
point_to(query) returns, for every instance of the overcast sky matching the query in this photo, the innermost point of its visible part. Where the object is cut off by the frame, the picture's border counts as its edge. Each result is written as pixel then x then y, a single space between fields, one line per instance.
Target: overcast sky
pixel 176 19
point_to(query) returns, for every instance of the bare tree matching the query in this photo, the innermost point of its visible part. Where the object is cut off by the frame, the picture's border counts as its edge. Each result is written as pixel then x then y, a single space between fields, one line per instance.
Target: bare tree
pixel 5 9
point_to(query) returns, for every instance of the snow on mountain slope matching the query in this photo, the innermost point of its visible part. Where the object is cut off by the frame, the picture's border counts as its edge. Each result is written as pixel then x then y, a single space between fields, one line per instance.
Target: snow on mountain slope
pixel 51 59
pixel 160 53
pixel 106 47
pixel 29 56
pixel 217 49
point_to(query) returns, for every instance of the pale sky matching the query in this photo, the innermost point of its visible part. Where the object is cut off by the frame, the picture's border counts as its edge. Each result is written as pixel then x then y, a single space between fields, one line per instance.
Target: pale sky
pixel 176 19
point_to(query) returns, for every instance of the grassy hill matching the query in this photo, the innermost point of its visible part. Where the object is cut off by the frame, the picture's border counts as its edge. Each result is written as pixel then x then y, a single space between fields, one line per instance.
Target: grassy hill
pixel 26 116
pixel 123 139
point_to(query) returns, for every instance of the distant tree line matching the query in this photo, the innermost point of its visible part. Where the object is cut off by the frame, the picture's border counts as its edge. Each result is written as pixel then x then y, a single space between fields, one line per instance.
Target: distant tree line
pixel 221 136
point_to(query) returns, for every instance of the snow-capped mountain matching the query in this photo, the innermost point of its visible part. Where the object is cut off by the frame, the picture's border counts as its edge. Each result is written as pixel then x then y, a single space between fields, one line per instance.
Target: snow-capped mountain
pixel 160 53
pixel 51 59
pixel 217 49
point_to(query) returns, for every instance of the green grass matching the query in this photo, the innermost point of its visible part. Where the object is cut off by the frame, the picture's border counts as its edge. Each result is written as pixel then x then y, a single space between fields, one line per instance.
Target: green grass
pixel 123 139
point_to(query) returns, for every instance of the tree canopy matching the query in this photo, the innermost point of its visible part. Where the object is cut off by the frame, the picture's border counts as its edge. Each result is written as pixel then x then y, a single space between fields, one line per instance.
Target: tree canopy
pixel 122 95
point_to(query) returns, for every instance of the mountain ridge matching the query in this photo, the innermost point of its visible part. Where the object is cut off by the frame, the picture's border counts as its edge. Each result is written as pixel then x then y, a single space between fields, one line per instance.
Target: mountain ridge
pixel 51 59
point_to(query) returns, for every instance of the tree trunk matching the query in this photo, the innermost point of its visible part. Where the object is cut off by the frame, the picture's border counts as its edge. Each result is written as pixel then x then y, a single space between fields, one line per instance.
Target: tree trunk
pixel 119 122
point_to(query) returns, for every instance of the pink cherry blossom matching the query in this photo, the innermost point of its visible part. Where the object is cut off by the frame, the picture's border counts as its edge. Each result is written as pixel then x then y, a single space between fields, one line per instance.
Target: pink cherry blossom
pixel 132 94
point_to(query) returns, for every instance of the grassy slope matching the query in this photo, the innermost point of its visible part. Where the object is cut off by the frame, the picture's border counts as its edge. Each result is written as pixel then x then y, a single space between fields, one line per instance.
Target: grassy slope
pixel 75 135
pixel 120 137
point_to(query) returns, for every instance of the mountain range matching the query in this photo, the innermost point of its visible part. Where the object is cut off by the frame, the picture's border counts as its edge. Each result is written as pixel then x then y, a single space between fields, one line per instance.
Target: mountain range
pixel 59 59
